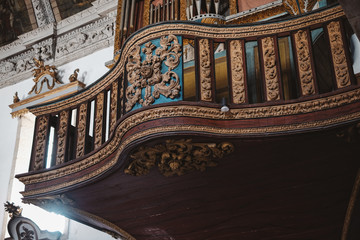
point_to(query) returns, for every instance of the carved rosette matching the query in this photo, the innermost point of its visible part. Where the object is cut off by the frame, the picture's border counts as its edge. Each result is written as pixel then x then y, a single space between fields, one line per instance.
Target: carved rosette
pixel 81 130
pixel 61 146
pixel 271 74
pixel 237 72
pixel 147 74
pixel 342 74
pixel 40 142
pixel 177 157
pixel 99 116
pixel 113 105
pixel 304 63
pixel 205 70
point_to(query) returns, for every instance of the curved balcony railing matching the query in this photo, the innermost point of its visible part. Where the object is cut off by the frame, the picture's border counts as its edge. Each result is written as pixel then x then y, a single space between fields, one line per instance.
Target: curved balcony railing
pixel 270 70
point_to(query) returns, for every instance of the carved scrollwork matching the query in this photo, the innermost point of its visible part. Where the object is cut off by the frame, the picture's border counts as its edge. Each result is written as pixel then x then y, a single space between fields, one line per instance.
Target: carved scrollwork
pixel 81 130
pixel 338 55
pixel 177 157
pixel 98 133
pixel 237 71
pixel 205 70
pixel 271 74
pixel 113 105
pixel 147 74
pixel 304 63
pixel 63 126
pixel 40 142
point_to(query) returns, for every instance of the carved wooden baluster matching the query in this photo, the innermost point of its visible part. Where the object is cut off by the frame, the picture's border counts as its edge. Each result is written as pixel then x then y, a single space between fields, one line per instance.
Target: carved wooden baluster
pixel 205 71
pixel 338 53
pixel 304 62
pixel 82 129
pixel 62 133
pixel 113 105
pixel 270 69
pixel 40 143
pixel 99 132
pixel 238 75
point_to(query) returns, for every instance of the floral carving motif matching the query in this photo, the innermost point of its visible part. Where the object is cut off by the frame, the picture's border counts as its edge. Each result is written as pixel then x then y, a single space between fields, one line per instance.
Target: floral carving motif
pixel 271 75
pixel 63 123
pixel 177 157
pixel 81 130
pixel 40 143
pixel 338 55
pixel 205 70
pixel 113 105
pixel 27 234
pixel 147 74
pixel 237 72
pixel 99 120
pixel 304 63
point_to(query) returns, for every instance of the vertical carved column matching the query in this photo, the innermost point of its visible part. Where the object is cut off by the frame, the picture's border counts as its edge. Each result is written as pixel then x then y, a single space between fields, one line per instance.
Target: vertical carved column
pixel 43 12
pixel 81 130
pixel 183 10
pixel 99 120
pixel 237 72
pixel 271 76
pixel 40 142
pixel 62 135
pixel 233 8
pixel 205 70
pixel 113 105
pixel 341 67
pixel 146 12
pixel 306 73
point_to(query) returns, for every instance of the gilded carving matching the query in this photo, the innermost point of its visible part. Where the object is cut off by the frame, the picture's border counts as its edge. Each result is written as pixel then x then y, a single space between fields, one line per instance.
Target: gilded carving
pixel 113 105
pixel 99 115
pixel 61 133
pixel 81 130
pixel 205 70
pixel 41 74
pixel 147 74
pixel 40 143
pixel 304 63
pixel 271 74
pixel 237 72
pixel 177 157
pixel 342 74
pixel 12 209
pixel 74 77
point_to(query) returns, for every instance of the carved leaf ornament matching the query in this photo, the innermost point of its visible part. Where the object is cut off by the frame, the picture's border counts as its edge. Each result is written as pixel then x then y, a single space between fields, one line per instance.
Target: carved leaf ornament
pixel 177 157
pixel 147 74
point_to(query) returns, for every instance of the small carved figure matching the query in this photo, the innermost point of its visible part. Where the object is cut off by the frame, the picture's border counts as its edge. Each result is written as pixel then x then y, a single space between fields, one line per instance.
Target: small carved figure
pixel 16 98
pixel 74 77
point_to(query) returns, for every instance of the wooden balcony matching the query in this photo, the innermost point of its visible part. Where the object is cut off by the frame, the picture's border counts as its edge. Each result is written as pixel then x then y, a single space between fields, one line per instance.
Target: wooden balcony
pixel 271 167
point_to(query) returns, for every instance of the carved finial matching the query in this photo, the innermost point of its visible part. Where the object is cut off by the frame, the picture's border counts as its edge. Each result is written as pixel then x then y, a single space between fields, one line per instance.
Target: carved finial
pixel 41 74
pixel 16 98
pixel 74 77
pixel 14 211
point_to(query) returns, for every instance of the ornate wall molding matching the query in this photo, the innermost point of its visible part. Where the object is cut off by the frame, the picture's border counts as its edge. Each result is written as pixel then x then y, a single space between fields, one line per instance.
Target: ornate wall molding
pixel 43 12
pixel 237 72
pixel 205 70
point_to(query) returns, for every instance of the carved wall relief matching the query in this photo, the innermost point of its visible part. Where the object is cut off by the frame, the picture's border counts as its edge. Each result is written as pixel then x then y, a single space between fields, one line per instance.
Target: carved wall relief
pixel 62 133
pixel 342 74
pixel 270 69
pixel 81 130
pixel 147 74
pixel 237 72
pixel 40 142
pixel 177 157
pixel 113 105
pixel 205 70
pixel 304 63
pixel 99 118
pixel 43 12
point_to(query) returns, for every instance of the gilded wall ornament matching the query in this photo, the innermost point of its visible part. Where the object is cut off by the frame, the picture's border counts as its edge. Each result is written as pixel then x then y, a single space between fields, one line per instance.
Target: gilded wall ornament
pixel 81 130
pixel 205 70
pixel 304 63
pixel 338 55
pixel 40 142
pixel 177 157
pixel 41 74
pixel 16 98
pixel 270 69
pixel 237 72
pixel 61 134
pixel 74 77
pixel 147 74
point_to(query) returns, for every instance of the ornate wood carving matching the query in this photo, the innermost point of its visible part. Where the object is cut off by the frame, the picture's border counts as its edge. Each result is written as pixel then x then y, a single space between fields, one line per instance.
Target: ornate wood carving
pixel 81 130
pixel 62 133
pixel 205 70
pixel 40 142
pixel 177 157
pixel 113 105
pixel 342 74
pixel 99 119
pixel 147 74
pixel 306 74
pixel 237 72
pixel 270 70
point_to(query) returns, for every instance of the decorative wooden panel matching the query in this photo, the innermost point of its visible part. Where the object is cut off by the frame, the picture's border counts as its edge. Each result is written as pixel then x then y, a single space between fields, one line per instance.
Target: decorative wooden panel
pixel 113 105
pixel 99 120
pixel 40 142
pixel 205 70
pixel 62 135
pixel 81 130
pixel 237 72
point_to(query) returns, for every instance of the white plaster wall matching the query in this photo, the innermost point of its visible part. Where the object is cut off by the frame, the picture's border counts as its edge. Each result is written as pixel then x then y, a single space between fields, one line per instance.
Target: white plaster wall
pixel 16 140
